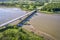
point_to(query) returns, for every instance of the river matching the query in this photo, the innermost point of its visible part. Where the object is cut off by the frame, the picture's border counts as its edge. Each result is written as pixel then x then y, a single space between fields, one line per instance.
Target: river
pixel 48 23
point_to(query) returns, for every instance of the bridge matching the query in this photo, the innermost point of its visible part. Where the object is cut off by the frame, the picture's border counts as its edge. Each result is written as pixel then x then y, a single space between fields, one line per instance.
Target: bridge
pixel 27 13
pixel 23 16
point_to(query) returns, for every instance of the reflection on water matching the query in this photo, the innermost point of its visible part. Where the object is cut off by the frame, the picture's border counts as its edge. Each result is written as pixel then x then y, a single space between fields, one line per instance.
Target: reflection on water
pixel 49 23
pixel 7 14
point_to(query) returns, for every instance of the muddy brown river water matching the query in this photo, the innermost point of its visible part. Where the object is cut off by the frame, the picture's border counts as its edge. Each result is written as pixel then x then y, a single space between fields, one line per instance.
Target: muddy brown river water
pixel 49 23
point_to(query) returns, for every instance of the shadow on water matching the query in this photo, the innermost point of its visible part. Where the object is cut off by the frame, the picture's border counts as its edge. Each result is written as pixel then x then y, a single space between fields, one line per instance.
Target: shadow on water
pixel 26 19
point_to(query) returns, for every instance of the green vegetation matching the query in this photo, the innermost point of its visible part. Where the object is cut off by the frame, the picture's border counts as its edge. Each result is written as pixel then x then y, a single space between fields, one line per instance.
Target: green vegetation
pixel 51 7
pixel 15 33
pixel 23 5
pixel 30 5
pixel 9 4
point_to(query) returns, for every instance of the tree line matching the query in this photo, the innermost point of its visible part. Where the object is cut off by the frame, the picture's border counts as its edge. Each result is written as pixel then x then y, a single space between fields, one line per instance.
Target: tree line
pixel 52 7
pixel 15 33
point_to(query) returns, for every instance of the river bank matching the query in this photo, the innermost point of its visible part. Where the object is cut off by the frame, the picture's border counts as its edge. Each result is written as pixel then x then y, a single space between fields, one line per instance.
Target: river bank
pixel 46 12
